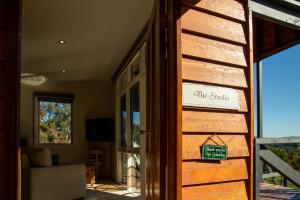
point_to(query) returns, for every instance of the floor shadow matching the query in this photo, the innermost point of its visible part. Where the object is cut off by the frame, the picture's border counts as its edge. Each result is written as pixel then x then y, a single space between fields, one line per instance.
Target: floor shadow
pixel 279 193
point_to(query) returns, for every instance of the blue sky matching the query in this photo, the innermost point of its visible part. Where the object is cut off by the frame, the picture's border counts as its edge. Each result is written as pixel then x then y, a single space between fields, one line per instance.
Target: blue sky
pixel 281 93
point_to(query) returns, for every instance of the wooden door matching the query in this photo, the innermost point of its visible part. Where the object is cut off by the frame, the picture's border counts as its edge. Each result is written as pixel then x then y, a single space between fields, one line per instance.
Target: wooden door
pixel 154 151
pixel 9 96
pixel 162 100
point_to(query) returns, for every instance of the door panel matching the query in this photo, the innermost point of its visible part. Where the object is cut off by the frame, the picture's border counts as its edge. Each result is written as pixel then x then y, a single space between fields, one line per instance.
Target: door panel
pixel 9 95
pixel 155 168
pixel 143 135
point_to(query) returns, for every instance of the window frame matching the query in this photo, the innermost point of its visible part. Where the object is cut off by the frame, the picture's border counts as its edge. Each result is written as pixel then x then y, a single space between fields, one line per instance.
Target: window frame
pixel 52 97
pixel 134 86
pixel 123 133
pixel 124 83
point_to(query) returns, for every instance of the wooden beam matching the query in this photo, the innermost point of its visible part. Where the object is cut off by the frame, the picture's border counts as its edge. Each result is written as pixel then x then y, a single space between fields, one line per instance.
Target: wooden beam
pixel 275 13
pixel 295 140
pixel 286 170
pixel 271 175
pixel 294 4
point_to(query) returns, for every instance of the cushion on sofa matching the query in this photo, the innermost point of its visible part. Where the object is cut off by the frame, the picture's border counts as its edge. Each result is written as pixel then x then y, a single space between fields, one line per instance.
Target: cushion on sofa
pixel 41 158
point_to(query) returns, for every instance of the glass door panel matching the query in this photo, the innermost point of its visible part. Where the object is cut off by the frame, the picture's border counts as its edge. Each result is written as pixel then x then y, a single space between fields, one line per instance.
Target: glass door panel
pixel 123 117
pixel 135 114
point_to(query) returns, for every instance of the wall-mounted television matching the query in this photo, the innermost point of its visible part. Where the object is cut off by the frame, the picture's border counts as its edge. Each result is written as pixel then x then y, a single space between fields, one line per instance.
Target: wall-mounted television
pixel 101 129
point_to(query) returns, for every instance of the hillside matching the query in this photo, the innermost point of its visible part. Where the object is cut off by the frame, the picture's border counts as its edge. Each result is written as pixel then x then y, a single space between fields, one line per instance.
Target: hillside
pixel 290 153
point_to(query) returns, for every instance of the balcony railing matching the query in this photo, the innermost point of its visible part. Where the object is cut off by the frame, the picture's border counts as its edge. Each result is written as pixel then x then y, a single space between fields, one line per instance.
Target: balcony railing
pixel 266 160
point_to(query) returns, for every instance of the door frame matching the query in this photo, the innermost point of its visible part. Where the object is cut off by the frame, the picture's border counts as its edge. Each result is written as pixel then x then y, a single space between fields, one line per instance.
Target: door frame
pixel 126 88
pixel 165 14
pixel 10 96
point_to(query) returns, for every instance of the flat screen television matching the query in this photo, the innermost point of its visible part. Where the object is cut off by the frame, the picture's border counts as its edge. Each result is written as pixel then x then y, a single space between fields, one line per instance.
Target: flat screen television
pixel 101 129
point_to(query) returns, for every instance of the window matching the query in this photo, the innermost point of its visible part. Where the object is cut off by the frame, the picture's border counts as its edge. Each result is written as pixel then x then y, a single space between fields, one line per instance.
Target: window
pixel 135 68
pixel 53 119
pixel 135 115
pixel 123 117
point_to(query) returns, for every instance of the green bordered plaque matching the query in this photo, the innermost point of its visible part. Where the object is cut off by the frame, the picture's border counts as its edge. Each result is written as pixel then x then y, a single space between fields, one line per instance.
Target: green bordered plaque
pixel 214 152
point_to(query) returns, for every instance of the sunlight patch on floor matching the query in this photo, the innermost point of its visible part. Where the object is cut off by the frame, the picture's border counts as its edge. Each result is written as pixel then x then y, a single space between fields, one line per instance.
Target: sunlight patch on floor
pixel 110 191
pixel 272 192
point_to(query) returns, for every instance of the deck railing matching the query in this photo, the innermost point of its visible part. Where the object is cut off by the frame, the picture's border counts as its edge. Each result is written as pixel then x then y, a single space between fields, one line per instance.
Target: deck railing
pixel 275 166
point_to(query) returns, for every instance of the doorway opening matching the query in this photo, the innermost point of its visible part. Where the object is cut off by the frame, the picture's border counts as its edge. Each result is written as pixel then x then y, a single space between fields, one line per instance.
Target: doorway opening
pixel 81 126
pixel 131 121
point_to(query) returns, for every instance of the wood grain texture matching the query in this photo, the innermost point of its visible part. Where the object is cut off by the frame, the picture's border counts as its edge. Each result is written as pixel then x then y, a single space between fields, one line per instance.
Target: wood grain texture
pixel 287 35
pixel 9 172
pixel 2 114
pixel 2 45
pixel 156 79
pixel 213 50
pixel 2 14
pixel 243 101
pixel 211 172
pixel 2 73
pixel 200 22
pixel 178 132
pixel 230 8
pixel 213 73
pixel 196 121
pixel 191 145
pixel 2 148
pixel 271 38
pixel 251 106
pixel 2 183
pixel 222 191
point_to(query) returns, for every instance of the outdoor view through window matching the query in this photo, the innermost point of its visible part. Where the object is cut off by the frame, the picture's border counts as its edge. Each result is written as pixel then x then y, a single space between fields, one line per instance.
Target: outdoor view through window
pixel 55 121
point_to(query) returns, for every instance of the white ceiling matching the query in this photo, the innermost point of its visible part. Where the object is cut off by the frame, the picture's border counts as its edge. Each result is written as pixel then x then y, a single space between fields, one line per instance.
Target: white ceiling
pixel 98 35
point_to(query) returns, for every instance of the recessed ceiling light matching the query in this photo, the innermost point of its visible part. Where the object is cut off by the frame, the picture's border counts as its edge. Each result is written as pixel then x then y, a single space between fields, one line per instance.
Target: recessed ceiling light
pixel 63 71
pixel 61 41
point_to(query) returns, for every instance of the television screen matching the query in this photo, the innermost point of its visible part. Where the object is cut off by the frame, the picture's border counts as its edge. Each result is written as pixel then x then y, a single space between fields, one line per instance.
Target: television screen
pixel 99 129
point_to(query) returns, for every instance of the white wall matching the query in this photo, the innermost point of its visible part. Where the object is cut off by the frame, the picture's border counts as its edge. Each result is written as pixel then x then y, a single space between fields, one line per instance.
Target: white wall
pixel 91 101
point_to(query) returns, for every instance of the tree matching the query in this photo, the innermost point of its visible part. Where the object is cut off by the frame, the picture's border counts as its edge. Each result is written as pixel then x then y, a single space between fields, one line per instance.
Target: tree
pixel 55 122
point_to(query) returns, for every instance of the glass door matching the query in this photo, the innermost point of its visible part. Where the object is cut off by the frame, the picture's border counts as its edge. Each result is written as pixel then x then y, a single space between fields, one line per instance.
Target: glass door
pixel 130 121
pixel 135 115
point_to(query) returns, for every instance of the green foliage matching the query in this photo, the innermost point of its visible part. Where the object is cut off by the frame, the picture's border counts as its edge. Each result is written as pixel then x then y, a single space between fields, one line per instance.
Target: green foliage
pixel 55 122
pixel 290 153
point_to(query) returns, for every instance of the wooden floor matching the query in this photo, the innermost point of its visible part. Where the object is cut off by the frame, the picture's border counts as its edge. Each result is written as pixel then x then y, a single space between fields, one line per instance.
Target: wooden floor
pixel 112 191
pixel 108 190
pixel 272 192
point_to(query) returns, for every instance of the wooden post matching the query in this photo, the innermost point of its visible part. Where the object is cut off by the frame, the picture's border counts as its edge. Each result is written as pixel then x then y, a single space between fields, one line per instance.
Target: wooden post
pixel 258 171
pixel 259 99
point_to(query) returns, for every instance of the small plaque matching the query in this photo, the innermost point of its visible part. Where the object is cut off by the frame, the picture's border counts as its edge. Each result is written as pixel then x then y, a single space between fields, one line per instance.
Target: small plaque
pixel 207 96
pixel 214 152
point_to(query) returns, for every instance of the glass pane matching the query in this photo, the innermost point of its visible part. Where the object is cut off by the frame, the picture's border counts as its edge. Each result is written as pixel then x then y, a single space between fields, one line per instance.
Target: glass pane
pixel 122 82
pixel 124 167
pixel 137 160
pixel 55 123
pixel 123 114
pixel 135 68
pixel 135 115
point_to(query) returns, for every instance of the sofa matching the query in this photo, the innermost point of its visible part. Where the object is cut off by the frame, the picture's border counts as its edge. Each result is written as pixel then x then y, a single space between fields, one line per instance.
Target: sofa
pixel 47 182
